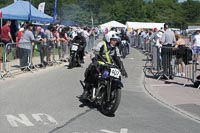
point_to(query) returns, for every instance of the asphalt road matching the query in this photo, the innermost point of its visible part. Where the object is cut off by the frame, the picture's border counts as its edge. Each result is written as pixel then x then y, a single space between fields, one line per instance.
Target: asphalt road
pixel 46 102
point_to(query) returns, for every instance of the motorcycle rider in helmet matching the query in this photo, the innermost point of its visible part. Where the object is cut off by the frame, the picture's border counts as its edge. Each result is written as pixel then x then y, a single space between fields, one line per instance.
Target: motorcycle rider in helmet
pixel 125 37
pixel 80 39
pixel 105 51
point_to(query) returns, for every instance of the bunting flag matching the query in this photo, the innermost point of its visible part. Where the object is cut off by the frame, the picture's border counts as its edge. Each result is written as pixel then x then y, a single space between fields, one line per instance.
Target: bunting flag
pixel 41 7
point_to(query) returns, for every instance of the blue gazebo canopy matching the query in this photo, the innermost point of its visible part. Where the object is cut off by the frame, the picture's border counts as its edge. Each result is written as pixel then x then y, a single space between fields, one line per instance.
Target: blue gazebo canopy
pixel 20 10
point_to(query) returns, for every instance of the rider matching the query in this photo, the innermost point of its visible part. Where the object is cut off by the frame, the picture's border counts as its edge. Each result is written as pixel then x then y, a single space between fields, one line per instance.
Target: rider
pixel 105 51
pixel 125 37
pixel 80 39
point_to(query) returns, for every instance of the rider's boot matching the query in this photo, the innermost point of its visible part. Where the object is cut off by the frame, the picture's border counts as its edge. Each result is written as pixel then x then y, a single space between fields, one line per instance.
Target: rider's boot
pixel 85 91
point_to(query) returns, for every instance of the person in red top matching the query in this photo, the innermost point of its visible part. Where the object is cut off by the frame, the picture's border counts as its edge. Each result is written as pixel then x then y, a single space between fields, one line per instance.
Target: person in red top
pixel 18 37
pixel 5 32
pixel 6 35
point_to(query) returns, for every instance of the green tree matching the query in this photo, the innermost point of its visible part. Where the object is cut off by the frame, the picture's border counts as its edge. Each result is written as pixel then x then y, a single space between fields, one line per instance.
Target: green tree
pixel 191 11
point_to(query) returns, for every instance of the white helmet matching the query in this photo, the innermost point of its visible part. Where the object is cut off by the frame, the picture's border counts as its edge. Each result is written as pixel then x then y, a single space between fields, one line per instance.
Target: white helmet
pixel 109 35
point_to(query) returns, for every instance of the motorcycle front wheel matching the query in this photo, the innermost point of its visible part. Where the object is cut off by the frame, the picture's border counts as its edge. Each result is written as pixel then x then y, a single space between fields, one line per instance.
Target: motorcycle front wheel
pixel 123 52
pixel 71 60
pixel 108 108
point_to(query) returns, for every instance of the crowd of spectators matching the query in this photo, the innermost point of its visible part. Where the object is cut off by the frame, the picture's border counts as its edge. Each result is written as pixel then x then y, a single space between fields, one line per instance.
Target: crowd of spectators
pixel 173 51
pixel 47 40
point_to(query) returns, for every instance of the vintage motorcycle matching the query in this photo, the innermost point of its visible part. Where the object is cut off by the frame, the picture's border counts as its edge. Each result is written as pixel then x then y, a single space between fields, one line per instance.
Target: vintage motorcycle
pixel 106 94
pixel 124 48
pixel 74 57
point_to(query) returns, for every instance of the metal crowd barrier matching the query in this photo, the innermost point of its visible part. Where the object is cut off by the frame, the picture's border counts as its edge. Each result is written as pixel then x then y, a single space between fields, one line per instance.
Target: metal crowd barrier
pixel 2 47
pixel 174 62
pixel 14 57
pixel 11 56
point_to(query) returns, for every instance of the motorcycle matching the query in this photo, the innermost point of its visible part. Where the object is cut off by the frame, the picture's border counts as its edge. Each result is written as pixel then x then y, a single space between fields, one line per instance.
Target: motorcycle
pixel 106 94
pixel 124 48
pixel 74 58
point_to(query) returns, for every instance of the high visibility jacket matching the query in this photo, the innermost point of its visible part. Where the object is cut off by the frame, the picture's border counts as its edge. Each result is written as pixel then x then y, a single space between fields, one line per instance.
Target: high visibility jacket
pixel 107 55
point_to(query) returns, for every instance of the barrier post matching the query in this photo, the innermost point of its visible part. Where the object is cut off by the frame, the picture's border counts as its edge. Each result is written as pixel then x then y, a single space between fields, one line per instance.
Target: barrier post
pixel 1 60
pixel 5 60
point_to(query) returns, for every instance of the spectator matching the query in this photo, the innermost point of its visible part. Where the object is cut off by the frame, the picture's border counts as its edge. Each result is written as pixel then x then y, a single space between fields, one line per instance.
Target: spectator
pixel 196 46
pixel 168 40
pixel 18 36
pixel 42 45
pixel 17 50
pixel 159 45
pixel 64 45
pixel 6 35
pixel 26 43
pixel 86 35
pixel 180 51
pixel 50 41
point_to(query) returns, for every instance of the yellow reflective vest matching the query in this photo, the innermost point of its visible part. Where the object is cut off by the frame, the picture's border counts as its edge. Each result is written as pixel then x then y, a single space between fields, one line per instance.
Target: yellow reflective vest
pixel 107 55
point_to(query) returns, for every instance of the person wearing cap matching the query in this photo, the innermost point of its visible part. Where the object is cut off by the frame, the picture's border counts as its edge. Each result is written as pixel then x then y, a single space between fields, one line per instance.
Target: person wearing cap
pixel 168 41
pixel 105 51
pixel 154 36
pixel 26 45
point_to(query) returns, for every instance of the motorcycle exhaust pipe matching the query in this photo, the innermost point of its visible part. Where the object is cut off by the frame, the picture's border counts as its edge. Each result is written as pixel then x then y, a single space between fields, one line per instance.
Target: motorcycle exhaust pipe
pixel 93 93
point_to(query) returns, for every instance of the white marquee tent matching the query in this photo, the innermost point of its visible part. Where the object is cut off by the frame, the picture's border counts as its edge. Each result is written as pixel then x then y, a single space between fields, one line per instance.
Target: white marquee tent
pixel 112 24
pixel 144 25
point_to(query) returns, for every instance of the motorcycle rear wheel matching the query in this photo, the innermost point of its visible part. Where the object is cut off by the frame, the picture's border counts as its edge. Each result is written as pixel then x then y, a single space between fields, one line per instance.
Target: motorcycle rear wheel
pixel 71 60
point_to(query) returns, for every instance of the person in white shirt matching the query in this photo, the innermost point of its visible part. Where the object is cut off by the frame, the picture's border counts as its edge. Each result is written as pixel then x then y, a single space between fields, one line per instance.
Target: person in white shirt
pixel 196 45
pixel 86 34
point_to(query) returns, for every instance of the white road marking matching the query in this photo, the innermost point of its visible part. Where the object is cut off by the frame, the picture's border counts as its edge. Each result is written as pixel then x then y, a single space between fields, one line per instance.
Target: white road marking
pixel 155 85
pixel 23 120
pixel 39 117
pixel 123 130
pixel 107 131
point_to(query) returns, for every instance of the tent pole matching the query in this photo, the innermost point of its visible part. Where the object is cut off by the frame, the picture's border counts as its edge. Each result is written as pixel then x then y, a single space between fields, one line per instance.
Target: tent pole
pixel 55 13
pixel 29 16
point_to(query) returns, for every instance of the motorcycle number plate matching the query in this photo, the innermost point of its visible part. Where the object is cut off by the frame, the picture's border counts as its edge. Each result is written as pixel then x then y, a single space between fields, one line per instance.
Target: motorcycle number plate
pixel 74 47
pixel 114 72
pixel 123 41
